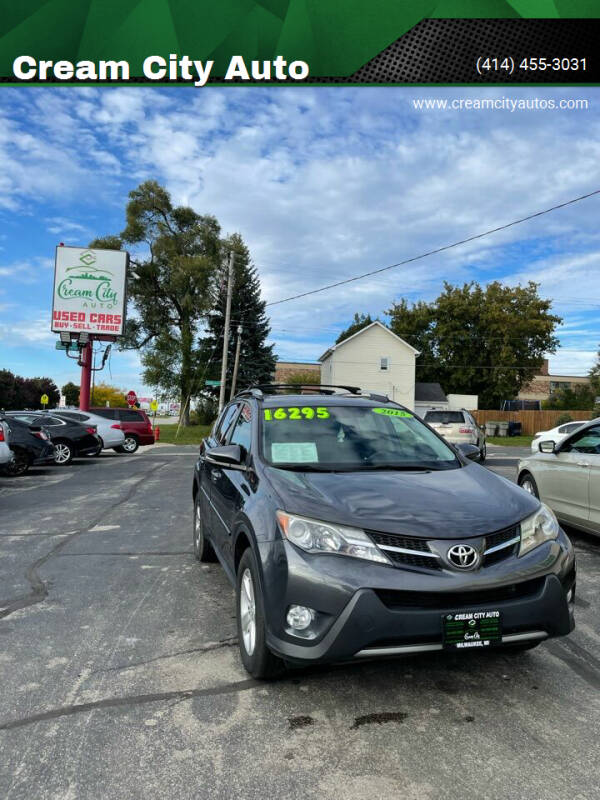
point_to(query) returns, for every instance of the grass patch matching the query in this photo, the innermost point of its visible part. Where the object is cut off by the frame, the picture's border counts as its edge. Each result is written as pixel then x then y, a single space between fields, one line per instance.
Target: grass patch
pixel 510 441
pixel 190 435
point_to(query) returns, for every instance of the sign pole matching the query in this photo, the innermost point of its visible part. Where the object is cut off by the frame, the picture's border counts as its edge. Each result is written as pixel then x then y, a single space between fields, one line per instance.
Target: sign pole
pixel 86 377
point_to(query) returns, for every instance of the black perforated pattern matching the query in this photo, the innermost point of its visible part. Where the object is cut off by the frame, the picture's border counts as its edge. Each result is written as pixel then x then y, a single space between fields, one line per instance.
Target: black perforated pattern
pixel 446 50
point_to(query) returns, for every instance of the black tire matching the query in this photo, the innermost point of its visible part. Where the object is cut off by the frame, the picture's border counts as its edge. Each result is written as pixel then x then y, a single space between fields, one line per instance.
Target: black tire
pixel 118 449
pixel 19 465
pixel 130 445
pixel 203 549
pixel 260 662
pixel 482 453
pixel 527 482
pixel 63 452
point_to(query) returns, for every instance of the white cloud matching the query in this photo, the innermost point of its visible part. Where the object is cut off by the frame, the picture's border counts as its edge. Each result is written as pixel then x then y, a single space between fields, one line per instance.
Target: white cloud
pixel 60 225
pixel 327 183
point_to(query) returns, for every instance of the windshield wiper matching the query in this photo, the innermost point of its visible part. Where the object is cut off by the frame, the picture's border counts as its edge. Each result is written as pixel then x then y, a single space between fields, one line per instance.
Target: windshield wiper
pixel 403 467
pixel 303 468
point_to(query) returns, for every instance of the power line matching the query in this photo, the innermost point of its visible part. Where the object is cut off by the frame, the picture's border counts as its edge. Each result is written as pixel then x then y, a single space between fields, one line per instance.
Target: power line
pixel 438 249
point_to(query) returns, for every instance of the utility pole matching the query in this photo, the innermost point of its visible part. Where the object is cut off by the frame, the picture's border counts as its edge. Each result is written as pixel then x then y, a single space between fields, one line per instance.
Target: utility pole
pixel 226 332
pixel 237 360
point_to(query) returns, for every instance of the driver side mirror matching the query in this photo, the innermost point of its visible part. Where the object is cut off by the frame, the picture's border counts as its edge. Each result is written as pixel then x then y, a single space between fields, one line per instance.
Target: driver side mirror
pixel 229 456
pixel 547 446
pixel 470 451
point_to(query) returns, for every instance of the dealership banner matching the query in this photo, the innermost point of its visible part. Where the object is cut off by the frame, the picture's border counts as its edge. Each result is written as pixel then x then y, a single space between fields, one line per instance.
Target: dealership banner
pixel 286 42
pixel 89 291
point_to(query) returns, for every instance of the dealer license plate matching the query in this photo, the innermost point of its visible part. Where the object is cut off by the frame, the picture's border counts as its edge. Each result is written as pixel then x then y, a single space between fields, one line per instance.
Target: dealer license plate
pixel 465 630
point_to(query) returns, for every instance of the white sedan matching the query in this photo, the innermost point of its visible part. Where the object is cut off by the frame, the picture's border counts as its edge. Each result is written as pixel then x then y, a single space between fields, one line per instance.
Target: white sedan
pixel 556 434
pixel 566 476
pixel 109 431
pixel 6 454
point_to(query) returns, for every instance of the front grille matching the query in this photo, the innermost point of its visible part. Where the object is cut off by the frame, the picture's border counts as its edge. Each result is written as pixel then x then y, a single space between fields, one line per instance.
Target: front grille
pixel 494 539
pixel 448 601
pixel 408 543
pixel 395 540
pixel 408 559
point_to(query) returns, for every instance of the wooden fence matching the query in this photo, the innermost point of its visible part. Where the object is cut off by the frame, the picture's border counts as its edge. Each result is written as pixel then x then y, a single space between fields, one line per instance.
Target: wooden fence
pixel 531 421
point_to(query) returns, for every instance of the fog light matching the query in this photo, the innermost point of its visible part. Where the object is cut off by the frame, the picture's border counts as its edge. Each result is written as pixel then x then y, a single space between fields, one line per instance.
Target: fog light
pixel 299 617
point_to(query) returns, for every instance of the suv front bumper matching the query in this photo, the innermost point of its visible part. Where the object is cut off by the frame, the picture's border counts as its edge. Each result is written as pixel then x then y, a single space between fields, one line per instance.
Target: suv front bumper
pixel 381 621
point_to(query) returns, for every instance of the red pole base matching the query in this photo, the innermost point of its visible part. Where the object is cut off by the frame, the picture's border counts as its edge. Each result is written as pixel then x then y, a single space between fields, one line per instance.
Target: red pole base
pixel 86 377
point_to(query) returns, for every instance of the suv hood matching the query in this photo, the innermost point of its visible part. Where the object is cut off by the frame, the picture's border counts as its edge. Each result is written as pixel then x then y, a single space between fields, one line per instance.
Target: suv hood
pixel 446 504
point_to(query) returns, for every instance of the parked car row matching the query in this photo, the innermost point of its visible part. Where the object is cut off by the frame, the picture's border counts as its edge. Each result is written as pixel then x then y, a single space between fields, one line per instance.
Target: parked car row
pixel 30 438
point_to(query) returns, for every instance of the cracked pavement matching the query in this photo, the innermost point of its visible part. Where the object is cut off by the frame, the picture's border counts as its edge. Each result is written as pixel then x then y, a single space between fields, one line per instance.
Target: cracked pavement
pixel 120 678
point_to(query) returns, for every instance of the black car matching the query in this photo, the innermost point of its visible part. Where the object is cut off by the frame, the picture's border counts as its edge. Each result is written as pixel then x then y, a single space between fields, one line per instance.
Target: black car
pixel 30 444
pixel 70 438
pixel 351 530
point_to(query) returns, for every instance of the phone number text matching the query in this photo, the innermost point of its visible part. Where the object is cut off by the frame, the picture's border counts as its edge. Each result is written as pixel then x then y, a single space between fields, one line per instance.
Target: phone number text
pixel 509 65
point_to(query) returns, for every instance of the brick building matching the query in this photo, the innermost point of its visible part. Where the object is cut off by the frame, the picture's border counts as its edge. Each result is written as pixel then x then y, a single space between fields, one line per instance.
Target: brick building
pixel 545 384
pixel 284 370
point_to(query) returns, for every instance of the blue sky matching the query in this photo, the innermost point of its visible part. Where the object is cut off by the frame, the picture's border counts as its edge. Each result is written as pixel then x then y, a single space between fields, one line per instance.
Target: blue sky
pixel 322 183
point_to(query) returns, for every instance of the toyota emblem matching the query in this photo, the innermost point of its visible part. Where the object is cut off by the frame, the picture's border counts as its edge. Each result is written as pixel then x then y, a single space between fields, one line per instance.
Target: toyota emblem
pixel 463 556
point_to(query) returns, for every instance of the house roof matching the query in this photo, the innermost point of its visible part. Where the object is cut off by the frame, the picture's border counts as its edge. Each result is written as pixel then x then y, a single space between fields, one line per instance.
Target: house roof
pixel 429 393
pixel 330 350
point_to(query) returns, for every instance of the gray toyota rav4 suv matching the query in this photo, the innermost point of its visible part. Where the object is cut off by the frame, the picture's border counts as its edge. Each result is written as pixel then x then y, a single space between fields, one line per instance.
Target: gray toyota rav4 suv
pixel 351 530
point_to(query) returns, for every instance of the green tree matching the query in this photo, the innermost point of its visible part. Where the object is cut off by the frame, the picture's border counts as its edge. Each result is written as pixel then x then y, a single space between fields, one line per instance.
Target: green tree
pixel 103 393
pixel 18 393
pixel 9 397
pixel 257 362
pixel 581 397
pixel 36 387
pixel 167 285
pixel 360 321
pixel 71 393
pixel 486 341
pixel 594 375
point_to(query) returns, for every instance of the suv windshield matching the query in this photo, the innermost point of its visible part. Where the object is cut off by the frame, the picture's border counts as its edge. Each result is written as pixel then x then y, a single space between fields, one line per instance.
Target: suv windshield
pixel 445 417
pixel 348 437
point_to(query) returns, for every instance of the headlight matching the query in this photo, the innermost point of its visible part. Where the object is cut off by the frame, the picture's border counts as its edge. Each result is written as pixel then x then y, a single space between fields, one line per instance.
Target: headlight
pixel 538 528
pixel 323 537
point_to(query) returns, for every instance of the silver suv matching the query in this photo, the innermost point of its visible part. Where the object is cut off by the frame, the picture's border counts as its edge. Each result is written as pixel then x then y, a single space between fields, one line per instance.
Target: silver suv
pixel 458 427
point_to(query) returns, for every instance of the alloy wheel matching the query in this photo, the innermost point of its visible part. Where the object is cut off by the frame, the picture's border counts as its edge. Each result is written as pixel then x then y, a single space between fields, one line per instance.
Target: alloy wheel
pixel 197 528
pixel 62 453
pixel 130 444
pixel 528 486
pixel 248 612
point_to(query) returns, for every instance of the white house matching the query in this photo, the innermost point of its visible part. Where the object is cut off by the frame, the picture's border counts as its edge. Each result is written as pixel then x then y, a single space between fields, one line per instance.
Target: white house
pixel 375 359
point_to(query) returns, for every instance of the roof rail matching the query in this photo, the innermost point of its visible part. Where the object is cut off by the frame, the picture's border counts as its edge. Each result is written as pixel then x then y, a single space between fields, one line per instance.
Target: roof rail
pixel 261 389
pixel 253 391
pixel 318 388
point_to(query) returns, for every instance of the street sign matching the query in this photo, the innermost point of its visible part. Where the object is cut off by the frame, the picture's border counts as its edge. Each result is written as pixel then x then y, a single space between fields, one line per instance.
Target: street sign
pixel 212 383
pixel 72 347
pixel 153 406
pixel 44 399
pixel 131 398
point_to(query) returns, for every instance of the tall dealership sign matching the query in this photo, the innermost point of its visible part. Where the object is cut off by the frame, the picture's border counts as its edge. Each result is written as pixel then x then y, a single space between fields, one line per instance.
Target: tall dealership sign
pixel 90 291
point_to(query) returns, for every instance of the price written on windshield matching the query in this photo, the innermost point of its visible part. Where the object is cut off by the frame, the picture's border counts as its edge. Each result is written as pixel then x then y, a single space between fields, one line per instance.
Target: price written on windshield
pixel 296 413
pixel 507 64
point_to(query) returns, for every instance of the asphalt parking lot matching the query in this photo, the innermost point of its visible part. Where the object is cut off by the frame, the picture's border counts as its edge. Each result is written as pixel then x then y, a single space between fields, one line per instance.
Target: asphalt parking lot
pixel 120 678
